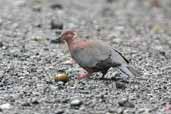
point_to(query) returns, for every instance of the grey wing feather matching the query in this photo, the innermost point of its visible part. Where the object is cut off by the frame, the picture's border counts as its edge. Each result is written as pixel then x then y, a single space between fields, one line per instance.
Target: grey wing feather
pixel 117 57
pixel 121 55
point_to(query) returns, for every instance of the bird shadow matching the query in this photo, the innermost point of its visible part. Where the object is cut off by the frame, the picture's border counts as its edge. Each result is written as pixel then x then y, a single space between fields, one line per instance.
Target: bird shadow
pixel 110 79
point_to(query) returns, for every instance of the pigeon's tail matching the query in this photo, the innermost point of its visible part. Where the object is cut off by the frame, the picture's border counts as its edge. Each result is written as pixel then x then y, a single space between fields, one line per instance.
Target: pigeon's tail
pixel 129 70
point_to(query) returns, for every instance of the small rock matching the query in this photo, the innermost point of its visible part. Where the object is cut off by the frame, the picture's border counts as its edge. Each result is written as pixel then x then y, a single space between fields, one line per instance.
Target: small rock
pixel 60 83
pixel 112 110
pixel 120 85
pixel 129 111
pixel 35 102
pixel 56 25
pixel 20 2
pixel 37 8
pixel 38 39
pixel 163 53
pixel 117 40
pixel 125 103
pixel 108 113
pixel 1 44
pixel 82 108
pixel 110 1
pixel 56 6
pixel 5 106
pixel 120 111
pixel 26 104
pixel 65 100
pixel 76 102
pixel 1 21
pixel 143 111
pixel 39 25
pixel 60 111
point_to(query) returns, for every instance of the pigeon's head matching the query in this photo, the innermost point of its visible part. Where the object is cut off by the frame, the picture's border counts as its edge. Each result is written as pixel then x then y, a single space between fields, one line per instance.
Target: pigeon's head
pixel 68 35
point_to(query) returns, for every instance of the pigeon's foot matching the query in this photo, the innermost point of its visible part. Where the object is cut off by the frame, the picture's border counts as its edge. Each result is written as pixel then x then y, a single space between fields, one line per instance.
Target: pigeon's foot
pixel 82 76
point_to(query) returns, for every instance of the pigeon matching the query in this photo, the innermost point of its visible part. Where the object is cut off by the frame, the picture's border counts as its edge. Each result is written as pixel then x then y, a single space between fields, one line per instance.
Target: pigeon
pixel 95 56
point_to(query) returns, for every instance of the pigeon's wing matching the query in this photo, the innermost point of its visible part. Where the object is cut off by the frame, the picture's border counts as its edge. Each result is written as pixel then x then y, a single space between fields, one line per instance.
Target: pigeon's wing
pixel 91 55
pixel 121 55
pixel 117 57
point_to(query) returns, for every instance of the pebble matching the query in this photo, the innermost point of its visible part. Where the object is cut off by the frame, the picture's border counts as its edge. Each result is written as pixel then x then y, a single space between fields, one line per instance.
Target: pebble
pixel 38 38
pixel 143 111
pixel 76 102
pixel 128 111
pixel 108 113
pixel 125 103
pixel 35 102
pixel 60 83
pixel 1 21
pixel 37 8
pixel 110 1
pixel 120 111
pixel 26 104
pixel 120 85
pixel 56 6
pixel 56 25
pixel 5 106
pixel 20 2
pixel 1 44
pixel 60 111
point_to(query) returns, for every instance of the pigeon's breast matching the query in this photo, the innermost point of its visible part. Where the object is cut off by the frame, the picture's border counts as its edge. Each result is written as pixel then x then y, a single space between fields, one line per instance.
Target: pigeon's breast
pixel 83 58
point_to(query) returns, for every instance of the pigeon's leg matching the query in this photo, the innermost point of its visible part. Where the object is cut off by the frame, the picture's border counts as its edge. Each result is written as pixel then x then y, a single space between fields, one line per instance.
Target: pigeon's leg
pixel 86 75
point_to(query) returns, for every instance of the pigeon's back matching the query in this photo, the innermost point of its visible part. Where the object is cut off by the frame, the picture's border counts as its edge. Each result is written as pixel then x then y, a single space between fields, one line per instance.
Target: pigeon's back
pixel 92 54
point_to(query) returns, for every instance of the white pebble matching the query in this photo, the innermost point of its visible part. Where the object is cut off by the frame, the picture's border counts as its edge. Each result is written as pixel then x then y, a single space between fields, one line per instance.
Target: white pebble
pixel 5 106
pixel 76 102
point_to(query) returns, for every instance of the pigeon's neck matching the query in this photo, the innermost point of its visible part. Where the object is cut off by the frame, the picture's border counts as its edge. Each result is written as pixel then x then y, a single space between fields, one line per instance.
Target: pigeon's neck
pixel 78 43
pixel 72 42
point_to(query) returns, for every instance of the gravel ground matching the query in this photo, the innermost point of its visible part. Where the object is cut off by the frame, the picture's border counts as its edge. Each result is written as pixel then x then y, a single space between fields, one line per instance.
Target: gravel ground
pixel 30 56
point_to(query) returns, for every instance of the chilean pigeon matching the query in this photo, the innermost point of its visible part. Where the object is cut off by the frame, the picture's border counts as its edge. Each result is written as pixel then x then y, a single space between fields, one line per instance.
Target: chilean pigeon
pixel 96 56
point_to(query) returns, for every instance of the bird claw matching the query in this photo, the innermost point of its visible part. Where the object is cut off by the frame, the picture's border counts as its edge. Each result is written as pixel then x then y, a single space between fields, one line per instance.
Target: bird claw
pixel 167 108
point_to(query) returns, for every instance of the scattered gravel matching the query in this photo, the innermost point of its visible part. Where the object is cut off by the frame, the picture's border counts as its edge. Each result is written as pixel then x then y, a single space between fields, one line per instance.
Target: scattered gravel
pixel 30 56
